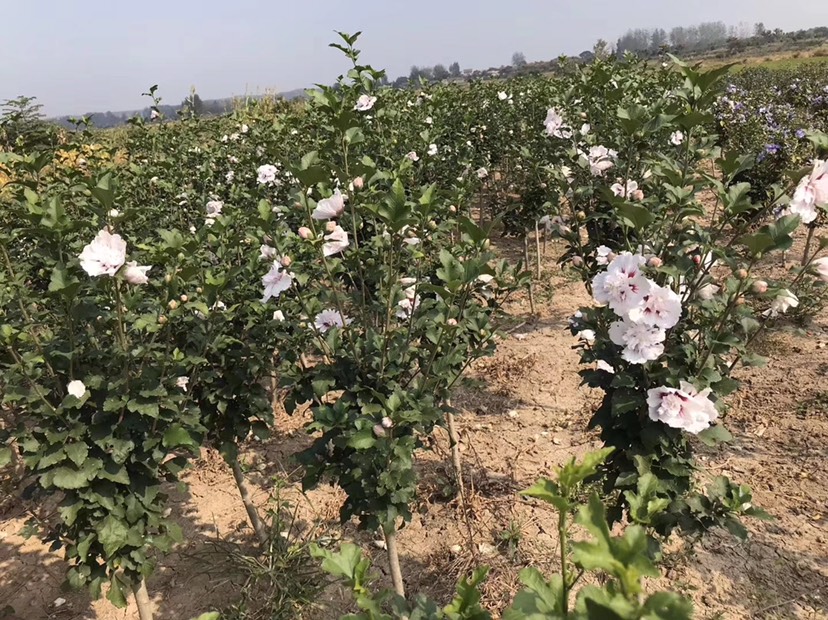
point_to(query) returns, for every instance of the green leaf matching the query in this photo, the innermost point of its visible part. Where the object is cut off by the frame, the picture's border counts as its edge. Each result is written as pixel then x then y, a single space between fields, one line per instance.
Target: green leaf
pixel 112 534
pixel 176 435
pixel 547 491
pixel 68 478
pixel 362 439
pixel 76 452
pixel 5 455
pixel 715 435
pixel 635 216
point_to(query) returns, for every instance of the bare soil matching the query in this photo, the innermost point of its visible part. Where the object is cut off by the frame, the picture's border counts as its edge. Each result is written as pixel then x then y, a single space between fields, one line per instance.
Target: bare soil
pixel 527 415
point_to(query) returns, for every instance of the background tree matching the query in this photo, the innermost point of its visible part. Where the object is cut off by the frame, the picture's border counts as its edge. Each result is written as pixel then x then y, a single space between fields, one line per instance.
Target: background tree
pixel 454 69
pixel 440 72
pixel 518 59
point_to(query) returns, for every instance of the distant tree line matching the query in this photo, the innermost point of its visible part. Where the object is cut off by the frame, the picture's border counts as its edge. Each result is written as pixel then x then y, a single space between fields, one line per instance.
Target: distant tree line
pixel 707 36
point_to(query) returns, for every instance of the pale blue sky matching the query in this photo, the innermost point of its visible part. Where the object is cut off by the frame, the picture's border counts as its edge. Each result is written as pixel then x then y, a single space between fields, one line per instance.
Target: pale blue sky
pixel 81 56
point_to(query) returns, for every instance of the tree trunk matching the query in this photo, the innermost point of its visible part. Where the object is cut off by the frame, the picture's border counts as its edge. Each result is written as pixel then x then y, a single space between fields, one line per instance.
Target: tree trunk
pixel 390 531
pixel 142 600
pixel 454 440
pixel 531 280
pixel 252 513
pixel 537 252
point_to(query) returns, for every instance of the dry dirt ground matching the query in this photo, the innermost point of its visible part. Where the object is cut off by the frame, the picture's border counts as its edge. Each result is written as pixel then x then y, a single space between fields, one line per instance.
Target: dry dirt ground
pixel 527 415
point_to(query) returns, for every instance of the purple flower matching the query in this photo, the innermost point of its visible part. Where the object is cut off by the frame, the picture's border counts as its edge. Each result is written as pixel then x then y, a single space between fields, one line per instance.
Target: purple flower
pixel 800 133
pixel 772 149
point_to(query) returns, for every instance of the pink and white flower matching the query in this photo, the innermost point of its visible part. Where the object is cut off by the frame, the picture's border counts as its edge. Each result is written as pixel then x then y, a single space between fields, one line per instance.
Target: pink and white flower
pixel 661 308
pixel 329 318
pixel 603 255
pixel 76 388
pixel 105 255
pixel 276 281
pixel 783 301
pixel 683 408
pixel 182 382
pixel 365 103
pixel 407 306
pixel 600 159
pixel 135 273
pixel 266 174
pixel 820 267
pixel 812 192
pixel 622 286
pixel 335 242
pixel 677 138
pixel 555 125
pixel 329 208
pixel 642 343
pixel 432 149
pixel 412 155
pixel 628 190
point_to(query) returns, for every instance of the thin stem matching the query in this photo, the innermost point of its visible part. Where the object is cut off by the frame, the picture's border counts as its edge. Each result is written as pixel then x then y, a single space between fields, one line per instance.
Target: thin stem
pixel 142 600
pixel 563 543
pixel 252 513
pixel 454 441
pixel 390 531
pixel 809 238
pixel 531 281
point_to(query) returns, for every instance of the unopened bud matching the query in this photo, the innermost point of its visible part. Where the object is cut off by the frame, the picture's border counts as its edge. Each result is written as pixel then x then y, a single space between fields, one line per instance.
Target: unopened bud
pixel 173 304
pixel 760 287
pixel 162 319
pixel 432 225
pixel 168 278
pixel 577 261
pixel 330 227
pixel 359 183
pixel 452 209
pixel 387 422
pixel 741 273
pixel 184 299
pixel 379 431
pixel 637 195
pixel 452 322
pixel 581 216
pixel 740 300
pixel 286 261
pixel 655 262
pixel 305 232
pixel 199 290
pixel 583 115
pixel 697 259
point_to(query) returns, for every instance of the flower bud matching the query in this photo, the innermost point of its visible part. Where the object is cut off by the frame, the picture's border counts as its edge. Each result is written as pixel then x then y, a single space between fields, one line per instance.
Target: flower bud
pixel 162 319
pixel 697 259
pixel 637 195
pixel 199 290
pixel 387 422
pixel 168 278
pixel 184 299
pixel 452 209
pixel 583 115
pixel 760 287
pixel 741 273
pixel 740 300
pixel 487 244
pixel 379 431
pixel 581 216
pixel 173 304
pixel 305 232
pixel 432 225
pixel 577 261
pixel 286 261
pixel 452 322
pixel 655 262
pixel 330 226
pixel 359 183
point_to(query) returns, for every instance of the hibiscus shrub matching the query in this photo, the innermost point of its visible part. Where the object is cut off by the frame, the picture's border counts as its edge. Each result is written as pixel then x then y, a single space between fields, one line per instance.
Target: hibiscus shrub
pixel 671 278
